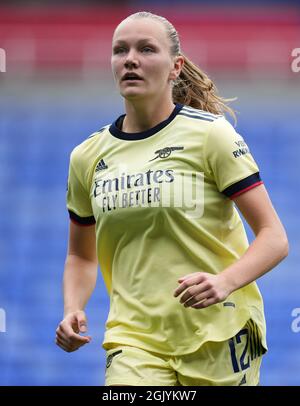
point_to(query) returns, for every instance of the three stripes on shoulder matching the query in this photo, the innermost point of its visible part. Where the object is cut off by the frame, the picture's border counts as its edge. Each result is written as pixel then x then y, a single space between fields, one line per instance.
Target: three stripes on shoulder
pixel 198 114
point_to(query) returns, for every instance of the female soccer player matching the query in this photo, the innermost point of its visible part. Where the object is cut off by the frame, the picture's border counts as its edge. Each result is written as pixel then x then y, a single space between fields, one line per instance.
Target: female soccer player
pixel 151 199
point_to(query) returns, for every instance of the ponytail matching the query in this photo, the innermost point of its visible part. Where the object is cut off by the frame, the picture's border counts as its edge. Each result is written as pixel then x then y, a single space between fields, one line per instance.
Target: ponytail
pixel 194 88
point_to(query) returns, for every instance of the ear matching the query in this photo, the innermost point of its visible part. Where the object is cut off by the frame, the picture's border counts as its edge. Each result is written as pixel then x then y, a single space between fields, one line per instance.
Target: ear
pixel 177 67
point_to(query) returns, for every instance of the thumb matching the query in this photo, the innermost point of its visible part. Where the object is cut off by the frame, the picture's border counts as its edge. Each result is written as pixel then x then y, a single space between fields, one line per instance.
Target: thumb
pixel 82 322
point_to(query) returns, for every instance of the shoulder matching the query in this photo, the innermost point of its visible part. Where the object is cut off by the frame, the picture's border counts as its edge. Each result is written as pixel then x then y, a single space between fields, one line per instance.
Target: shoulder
pixel 214 127
pixel 87 148
pixel 97 133
pixel 200 115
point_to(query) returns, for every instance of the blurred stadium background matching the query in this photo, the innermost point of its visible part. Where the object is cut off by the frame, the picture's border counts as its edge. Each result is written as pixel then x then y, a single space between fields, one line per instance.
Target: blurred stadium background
pixel 58 88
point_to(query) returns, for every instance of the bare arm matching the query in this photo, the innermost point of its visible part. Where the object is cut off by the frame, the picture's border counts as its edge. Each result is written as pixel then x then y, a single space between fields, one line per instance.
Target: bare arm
pixel 79 281
pixel 266 251
pixel 270 245
pixel 80 267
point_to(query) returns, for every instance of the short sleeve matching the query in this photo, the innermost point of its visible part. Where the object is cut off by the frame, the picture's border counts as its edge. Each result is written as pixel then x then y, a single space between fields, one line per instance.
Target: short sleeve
pixel 228 160
pixel 78 200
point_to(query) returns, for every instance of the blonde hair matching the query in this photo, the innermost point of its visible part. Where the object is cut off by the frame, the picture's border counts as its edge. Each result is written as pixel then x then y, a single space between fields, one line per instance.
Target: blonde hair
pixel 193 87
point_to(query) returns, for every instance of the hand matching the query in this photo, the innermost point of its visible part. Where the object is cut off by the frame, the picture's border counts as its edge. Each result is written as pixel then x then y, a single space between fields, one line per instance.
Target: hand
pixel 201 290
pixel 67 336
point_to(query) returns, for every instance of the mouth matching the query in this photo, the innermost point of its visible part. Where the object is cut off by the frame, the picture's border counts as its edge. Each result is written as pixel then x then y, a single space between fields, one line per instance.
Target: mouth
pixel 131 77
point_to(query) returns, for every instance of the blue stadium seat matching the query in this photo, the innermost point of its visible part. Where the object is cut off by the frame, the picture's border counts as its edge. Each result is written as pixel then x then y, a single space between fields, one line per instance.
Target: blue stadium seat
pixel 34 153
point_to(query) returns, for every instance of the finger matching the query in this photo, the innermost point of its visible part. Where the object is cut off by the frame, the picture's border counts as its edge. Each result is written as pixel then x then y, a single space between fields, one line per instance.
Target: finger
pixel 189 293
pixel 68 333
pixel 69 339
pixel 192 302
pixel 63 345
pixel 205 303
pixel 69 346
pixel 199 276
pixel 82 322
pixel 186 284
pixel 182 278
pixel 65 328
pixel 198 298
pixel 62 341
pixel 201 289
pixel 60 335
pixel 183 286
pixel 77 339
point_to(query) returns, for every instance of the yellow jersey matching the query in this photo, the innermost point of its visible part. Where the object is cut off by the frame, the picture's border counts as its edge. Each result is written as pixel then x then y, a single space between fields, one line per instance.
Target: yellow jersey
pixel 162 204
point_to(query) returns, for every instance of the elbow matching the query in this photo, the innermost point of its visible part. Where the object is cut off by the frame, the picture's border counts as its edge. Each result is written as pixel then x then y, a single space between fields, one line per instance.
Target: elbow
pixel 282 244
pixel 285 247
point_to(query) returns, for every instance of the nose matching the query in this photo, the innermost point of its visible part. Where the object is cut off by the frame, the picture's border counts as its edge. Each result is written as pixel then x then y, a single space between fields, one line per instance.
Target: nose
pixel 131 60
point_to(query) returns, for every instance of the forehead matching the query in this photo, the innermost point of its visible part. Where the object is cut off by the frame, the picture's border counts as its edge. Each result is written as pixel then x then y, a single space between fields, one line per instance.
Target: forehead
pixel 140 29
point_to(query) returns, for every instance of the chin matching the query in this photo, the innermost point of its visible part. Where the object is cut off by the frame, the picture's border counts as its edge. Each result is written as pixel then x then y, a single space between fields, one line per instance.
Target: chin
pixel 132 95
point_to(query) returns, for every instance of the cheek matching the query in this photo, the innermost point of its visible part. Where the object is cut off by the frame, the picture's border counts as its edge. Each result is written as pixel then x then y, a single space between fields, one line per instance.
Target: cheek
pixel 153 68
pixel 161 74
pixel 115 67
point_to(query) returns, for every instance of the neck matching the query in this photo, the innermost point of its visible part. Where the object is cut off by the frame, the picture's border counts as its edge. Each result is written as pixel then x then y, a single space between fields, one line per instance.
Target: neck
pixel 142 116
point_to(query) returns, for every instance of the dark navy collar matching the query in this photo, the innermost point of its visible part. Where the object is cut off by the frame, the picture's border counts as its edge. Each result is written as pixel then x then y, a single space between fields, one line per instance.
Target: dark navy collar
pixel 115 131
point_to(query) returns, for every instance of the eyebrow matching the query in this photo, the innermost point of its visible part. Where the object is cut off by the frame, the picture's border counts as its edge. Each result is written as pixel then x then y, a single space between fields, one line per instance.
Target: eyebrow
pixel 140 41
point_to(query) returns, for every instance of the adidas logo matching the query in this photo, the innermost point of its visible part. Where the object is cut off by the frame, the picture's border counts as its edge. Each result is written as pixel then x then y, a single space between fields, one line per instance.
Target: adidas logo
pixel 101 165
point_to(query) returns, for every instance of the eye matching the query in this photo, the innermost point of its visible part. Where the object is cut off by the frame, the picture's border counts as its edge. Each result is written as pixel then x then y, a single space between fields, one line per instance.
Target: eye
pixel 147 49
pixel 119 50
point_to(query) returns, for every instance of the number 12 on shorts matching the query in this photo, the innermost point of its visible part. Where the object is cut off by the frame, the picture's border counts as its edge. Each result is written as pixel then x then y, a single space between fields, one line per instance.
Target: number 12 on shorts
pixel 240 346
